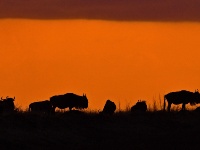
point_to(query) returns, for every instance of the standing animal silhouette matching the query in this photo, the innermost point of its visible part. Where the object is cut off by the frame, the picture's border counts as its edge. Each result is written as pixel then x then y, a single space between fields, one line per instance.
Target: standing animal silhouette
pixel 41 106
pixel 181 97
pixel 69 100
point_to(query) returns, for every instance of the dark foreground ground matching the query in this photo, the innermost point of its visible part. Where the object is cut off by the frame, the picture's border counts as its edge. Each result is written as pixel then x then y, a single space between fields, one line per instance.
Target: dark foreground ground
pixel 77 130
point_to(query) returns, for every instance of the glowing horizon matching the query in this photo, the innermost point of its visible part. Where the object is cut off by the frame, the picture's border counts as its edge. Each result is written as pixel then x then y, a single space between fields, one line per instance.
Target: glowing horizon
pixel 120 61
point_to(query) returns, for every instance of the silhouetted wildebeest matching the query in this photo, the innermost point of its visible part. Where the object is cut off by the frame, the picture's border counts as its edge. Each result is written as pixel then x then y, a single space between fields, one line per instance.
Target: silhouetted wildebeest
pixel 109 107
pixel 181 97
pixel 7 105
pixel 69 100
pixel 140 106
pixel 41 106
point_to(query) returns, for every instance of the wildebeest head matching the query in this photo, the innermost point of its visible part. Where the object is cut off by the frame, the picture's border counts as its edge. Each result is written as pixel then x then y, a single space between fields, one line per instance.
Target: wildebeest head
pixel 139 106
pixel 196 98
pixel 82 102
pixel 7 104
pixel 10 99
pixel 85 101
pixel 109 107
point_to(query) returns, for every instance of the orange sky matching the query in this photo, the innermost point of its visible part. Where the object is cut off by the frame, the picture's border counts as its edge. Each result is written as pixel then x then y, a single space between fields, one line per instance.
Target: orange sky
pixel 120 61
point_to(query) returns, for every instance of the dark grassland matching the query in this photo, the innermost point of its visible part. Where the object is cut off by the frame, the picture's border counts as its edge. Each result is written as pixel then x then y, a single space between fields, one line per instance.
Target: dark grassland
pixel 89 130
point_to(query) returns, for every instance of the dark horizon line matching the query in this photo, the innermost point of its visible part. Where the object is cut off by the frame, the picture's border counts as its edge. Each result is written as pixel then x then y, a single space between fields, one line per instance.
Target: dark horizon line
pixel 106 19
pixel 118 10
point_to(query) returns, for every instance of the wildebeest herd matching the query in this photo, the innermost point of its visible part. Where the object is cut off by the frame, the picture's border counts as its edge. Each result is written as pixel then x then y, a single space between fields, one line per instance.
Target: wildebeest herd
pixel 68 100
pixel 74 101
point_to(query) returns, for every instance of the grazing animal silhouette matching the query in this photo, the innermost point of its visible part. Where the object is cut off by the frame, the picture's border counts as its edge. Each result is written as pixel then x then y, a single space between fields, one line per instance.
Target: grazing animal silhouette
pixel 140 106
pixel 181 97
pixel 69 100
pixel 109 107
pixel 7 105
pixel 41 106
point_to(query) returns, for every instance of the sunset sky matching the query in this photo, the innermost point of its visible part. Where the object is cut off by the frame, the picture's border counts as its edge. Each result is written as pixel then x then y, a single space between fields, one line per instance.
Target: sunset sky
pixel 117 50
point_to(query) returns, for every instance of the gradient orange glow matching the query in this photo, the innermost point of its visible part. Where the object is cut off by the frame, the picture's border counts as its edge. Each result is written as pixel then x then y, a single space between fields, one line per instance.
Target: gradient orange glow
pixel 121 61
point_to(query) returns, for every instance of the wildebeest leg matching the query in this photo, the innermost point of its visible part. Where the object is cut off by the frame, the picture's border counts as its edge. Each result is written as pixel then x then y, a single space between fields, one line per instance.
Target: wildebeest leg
pixel 169 106
pixel 183 106
pixel 164 104
pixel 29 109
